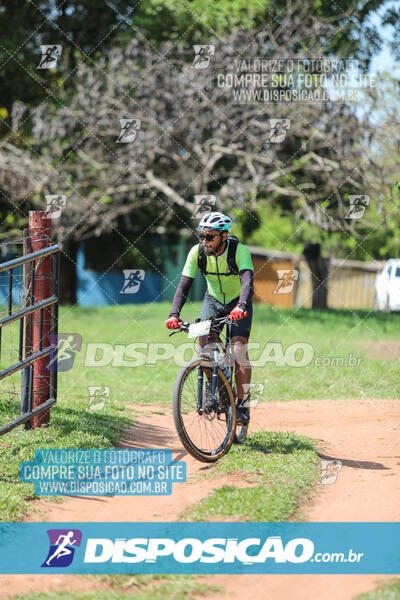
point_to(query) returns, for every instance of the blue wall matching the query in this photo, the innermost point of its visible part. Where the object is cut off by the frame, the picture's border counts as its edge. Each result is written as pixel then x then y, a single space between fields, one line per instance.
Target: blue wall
pixel 17 286
pixel 98 289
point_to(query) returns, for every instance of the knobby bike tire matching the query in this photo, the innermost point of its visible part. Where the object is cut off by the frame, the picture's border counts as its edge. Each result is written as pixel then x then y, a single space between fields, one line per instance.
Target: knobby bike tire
pixel 176 411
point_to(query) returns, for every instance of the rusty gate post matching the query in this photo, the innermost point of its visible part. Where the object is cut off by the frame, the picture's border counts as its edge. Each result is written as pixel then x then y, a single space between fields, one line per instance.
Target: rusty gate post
pixel 40 235
pixel 27 329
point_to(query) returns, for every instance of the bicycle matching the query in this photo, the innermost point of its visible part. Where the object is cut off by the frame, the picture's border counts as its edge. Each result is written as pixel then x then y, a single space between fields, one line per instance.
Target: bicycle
pixel 204 398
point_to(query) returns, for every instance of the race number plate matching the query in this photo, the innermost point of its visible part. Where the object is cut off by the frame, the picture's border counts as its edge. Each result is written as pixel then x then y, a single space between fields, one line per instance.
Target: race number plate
pixel 201 328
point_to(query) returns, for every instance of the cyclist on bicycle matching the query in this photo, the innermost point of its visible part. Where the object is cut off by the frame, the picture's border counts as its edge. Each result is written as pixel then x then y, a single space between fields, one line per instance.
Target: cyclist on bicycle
pixel 228 268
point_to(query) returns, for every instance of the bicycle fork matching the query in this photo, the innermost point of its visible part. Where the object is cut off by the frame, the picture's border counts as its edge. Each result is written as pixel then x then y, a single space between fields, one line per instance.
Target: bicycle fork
pixel 214 380
pixel 214 384
pixel 200 375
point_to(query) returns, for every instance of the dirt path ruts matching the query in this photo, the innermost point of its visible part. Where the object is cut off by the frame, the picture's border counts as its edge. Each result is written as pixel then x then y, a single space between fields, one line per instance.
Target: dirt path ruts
pixel 364 435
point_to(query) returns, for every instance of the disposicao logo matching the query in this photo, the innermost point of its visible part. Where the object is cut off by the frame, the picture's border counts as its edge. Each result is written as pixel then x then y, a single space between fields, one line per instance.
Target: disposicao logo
pixel 63 543
pixel 190 550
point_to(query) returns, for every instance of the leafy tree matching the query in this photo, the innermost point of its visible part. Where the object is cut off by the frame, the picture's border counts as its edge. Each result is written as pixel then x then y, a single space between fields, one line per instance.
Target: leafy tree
pixel 194 21
pixel 192 140
pixel 84 29
pixel 87 28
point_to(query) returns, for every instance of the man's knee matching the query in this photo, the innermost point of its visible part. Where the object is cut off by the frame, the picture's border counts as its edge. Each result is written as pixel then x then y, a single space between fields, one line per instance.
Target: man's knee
pixel 207 344
pixel 240 353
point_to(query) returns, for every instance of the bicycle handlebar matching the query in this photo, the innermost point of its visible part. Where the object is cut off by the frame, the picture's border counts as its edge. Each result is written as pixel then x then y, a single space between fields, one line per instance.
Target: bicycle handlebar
pixel 214 320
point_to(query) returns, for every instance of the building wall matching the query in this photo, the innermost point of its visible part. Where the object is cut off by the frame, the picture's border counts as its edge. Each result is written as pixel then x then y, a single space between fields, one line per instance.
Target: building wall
pixel 351 288
pixel 266 280
pixel 174 260
pixel 100 289
pixel 347 287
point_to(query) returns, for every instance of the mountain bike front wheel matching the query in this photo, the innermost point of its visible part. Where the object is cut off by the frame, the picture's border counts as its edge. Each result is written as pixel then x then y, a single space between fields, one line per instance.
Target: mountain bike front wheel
pixel 206 427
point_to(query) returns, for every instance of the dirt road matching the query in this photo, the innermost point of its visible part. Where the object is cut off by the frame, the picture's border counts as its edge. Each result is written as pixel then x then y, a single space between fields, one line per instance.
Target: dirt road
pixel 363 435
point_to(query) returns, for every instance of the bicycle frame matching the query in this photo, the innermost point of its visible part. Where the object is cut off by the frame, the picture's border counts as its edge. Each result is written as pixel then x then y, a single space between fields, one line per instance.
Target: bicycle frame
pixel 228 368
pixel 214 399
pixel 226 351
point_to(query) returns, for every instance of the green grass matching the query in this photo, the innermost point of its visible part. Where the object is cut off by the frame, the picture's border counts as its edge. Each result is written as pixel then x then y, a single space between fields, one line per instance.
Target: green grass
pixel 72 426
pixel 144 587
pixel 331 333
pixel 388 591
pixel 282 469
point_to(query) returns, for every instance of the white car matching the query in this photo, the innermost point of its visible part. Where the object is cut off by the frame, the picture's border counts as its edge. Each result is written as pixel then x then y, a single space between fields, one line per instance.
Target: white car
pixel 387 286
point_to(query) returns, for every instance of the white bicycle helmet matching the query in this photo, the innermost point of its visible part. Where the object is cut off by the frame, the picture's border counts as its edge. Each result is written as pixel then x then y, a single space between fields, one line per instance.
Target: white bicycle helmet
pixel 214 220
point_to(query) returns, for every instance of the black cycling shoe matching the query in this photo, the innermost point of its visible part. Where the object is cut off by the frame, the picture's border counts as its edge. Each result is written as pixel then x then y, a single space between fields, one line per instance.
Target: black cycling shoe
pixel 242 415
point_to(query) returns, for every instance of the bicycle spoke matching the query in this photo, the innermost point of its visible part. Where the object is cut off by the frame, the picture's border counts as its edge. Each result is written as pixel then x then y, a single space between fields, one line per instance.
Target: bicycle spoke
pixel 206 431
pixel 206 426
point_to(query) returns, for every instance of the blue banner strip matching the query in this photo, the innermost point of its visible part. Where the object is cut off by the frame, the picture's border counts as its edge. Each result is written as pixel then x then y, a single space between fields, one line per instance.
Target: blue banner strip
pixel 206 548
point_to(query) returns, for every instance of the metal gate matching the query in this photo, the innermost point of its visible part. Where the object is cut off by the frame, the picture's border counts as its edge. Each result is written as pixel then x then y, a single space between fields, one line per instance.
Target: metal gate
pixel 25 362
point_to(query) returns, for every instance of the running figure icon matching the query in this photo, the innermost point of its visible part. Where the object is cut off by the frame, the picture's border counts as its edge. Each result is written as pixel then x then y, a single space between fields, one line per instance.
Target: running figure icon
pixel 62 549
pixel 63 544
pixel 286 280
pixel 64 347
pixel 133 280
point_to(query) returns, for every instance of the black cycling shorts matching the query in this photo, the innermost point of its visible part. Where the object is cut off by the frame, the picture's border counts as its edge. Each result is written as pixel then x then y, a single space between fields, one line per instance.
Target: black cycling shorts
pixel 211 307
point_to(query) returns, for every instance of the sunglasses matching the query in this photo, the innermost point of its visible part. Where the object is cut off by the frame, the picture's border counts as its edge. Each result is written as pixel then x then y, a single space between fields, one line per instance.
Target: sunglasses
pixel 208 236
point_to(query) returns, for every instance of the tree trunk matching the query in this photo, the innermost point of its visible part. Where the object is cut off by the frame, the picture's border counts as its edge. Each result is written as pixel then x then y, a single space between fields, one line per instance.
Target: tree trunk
pixel 319 268
pixel 68 278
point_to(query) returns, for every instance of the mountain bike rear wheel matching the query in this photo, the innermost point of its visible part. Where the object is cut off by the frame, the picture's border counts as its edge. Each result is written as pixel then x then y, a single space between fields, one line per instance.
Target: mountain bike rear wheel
pixel 205 431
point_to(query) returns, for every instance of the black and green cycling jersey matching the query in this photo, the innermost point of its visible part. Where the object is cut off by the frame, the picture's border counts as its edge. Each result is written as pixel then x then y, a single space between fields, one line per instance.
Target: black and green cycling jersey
pixel 221 286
